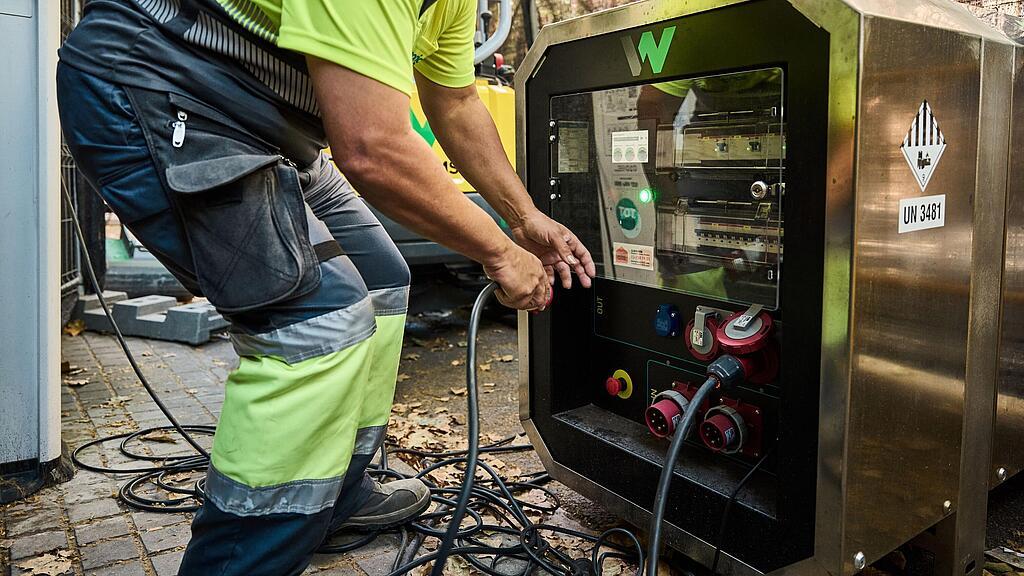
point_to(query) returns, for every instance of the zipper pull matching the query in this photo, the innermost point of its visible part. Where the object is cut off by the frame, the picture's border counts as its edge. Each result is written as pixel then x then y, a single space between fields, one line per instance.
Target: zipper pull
pixel 178 137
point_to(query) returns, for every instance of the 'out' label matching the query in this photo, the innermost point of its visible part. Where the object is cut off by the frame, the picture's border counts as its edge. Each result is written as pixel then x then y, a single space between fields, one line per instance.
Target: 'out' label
pixel 922 213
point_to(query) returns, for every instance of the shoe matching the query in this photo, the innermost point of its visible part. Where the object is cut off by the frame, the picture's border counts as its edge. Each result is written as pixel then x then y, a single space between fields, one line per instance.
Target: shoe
pixel 390 505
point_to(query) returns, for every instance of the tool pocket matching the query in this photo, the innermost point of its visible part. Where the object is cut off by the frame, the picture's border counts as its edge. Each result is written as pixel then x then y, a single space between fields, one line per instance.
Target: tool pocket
pixel 239 202
pixel 246 225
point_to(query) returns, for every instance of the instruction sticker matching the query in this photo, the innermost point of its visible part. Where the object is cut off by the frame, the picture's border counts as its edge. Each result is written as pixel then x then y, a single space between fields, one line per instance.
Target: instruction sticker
pixel 629 146
pixel 922 213
pixel 573 147
pixel 633 255
pixel 923 145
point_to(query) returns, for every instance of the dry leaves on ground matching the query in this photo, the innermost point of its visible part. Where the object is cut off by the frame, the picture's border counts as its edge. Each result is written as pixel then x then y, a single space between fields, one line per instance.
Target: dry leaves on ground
pixel 76 383
pixel 412 356
pixel 485 367
pixel 403 377
pixel 163 436
pixel 74 328
pixel 55 564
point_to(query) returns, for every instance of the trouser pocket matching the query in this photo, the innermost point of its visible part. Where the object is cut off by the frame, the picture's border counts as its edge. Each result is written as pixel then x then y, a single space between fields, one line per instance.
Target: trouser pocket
pixel 239 203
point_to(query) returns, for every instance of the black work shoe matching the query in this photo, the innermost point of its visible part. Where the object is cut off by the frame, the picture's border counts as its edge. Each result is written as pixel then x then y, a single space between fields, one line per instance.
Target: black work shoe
pixel 390 505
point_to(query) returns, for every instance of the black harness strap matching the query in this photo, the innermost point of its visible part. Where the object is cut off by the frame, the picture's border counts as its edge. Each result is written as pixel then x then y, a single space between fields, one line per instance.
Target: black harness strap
pixel 326 250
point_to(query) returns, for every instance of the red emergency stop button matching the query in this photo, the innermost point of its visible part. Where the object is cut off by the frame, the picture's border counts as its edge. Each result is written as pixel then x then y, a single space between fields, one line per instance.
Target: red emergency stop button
pixel 619 385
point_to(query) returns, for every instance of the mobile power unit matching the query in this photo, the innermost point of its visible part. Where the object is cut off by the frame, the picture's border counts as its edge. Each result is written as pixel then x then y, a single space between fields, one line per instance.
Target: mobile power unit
pixel 828 191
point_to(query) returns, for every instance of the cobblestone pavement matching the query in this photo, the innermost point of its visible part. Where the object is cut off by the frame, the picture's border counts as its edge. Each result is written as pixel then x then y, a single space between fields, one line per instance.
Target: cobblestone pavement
pixel 103 536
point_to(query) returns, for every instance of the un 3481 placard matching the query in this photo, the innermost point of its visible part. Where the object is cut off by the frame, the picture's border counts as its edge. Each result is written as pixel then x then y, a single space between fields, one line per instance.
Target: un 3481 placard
pixel 922 213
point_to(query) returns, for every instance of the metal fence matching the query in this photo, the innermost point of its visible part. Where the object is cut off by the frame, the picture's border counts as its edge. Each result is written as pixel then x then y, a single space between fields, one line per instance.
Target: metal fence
pixel 70 251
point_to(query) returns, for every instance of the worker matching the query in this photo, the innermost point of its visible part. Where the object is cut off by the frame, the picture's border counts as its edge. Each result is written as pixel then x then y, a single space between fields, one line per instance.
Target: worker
pixel 201 123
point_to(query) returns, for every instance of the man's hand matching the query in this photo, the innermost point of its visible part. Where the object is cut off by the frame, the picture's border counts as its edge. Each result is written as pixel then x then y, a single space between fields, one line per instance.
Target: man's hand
pixel 556 246
pixel 522 280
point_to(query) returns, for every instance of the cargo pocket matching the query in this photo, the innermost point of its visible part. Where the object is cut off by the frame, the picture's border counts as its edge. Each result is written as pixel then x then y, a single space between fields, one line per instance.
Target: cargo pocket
pixel 246 225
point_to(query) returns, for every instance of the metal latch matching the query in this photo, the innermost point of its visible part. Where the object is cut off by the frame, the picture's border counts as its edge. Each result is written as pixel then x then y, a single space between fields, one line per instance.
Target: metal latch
pixel 743 322
pixel 699 321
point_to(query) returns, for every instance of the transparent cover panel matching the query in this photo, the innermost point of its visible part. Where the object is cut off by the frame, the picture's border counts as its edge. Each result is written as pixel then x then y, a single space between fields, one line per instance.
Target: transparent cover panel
pixel 678 184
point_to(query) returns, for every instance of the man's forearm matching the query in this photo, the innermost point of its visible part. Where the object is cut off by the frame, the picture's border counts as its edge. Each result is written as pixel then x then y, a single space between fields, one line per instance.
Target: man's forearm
pixel 466 132
pixel 394 169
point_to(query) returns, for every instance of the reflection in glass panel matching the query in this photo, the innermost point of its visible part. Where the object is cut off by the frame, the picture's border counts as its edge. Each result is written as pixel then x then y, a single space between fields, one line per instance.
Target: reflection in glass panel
pixel 678 184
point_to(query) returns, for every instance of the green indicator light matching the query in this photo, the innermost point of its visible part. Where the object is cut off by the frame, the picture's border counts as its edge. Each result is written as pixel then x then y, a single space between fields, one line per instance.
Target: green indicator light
pixel 646 195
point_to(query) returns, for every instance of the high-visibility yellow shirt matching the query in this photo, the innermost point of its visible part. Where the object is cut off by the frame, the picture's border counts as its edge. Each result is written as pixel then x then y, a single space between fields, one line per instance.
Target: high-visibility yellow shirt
pixel 381 39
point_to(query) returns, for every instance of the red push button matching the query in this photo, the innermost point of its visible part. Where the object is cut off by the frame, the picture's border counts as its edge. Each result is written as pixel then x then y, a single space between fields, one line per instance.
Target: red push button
pixel 614 386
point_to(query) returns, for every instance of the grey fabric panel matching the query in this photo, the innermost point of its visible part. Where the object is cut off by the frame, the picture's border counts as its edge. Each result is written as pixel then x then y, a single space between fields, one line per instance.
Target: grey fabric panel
pixel 299 497
pixel 368 440
pixel 390 301
pixel 310 338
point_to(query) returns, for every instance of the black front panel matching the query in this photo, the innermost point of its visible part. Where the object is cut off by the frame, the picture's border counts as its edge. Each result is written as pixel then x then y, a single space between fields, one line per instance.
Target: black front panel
pixel 699 189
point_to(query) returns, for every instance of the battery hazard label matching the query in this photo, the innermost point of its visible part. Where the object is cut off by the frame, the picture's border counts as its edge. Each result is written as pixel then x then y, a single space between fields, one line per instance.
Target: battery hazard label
pixel 923 145
pixel 633 255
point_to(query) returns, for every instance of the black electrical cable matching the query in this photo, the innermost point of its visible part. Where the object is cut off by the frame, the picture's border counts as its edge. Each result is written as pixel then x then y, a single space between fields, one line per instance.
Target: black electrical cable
pixel 668 471
pixel 117 330
pixel 521 539
pixel 473 425
pixel 728 507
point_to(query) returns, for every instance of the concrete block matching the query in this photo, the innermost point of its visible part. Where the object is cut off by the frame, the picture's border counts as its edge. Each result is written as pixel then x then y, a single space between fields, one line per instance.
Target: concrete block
pixel 156 317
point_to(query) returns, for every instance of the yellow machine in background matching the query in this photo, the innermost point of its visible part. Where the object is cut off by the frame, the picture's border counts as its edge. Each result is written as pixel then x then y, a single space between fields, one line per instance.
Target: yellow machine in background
pixel 500 102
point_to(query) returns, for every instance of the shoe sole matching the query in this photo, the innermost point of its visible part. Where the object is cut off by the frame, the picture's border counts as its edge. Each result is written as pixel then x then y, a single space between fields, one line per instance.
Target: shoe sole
pixel 378 523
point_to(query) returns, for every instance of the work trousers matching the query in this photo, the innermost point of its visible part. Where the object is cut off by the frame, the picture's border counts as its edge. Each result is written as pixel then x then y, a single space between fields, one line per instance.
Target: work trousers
pixel 318 330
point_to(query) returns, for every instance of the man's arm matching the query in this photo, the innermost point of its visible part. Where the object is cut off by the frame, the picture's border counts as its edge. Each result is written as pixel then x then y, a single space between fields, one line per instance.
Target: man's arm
pixel 368 127
pixel 466 131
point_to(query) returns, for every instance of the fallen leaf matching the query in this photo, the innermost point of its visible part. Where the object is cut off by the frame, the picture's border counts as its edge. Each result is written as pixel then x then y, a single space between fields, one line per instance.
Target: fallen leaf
pixel 411 356
pixel 48 564
pixel 160 436
pixel 489 384
pixel 76 383
pixel 191 390
pixel 485 367
pixel 459 391
pixel 403 377
pixel 462 343
pixel 148 353
pixel 74 328
pixel 456 362
pixel 6 543
pixel 507 358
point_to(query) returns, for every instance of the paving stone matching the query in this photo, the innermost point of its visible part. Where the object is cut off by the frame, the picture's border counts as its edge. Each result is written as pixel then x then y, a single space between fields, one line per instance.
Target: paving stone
pixel 84 511
pixel 101 530
pixel 377 557
pixel 167 564
pixel 148 520
pixel 132 568
pixel 37 544
pixel 107 552
pixel 81 493
pixel 45 520
pixel 165 538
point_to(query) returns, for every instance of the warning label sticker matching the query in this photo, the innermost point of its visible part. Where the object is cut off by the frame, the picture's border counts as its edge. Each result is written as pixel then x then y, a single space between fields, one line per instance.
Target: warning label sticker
pixel 924 144
pixel 629 146
pixel 633 255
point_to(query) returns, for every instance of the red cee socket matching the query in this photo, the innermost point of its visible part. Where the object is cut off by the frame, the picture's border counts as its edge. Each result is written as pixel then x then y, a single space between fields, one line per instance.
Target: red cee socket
pixel 751 343
pixel 719 433
pixel 614 386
